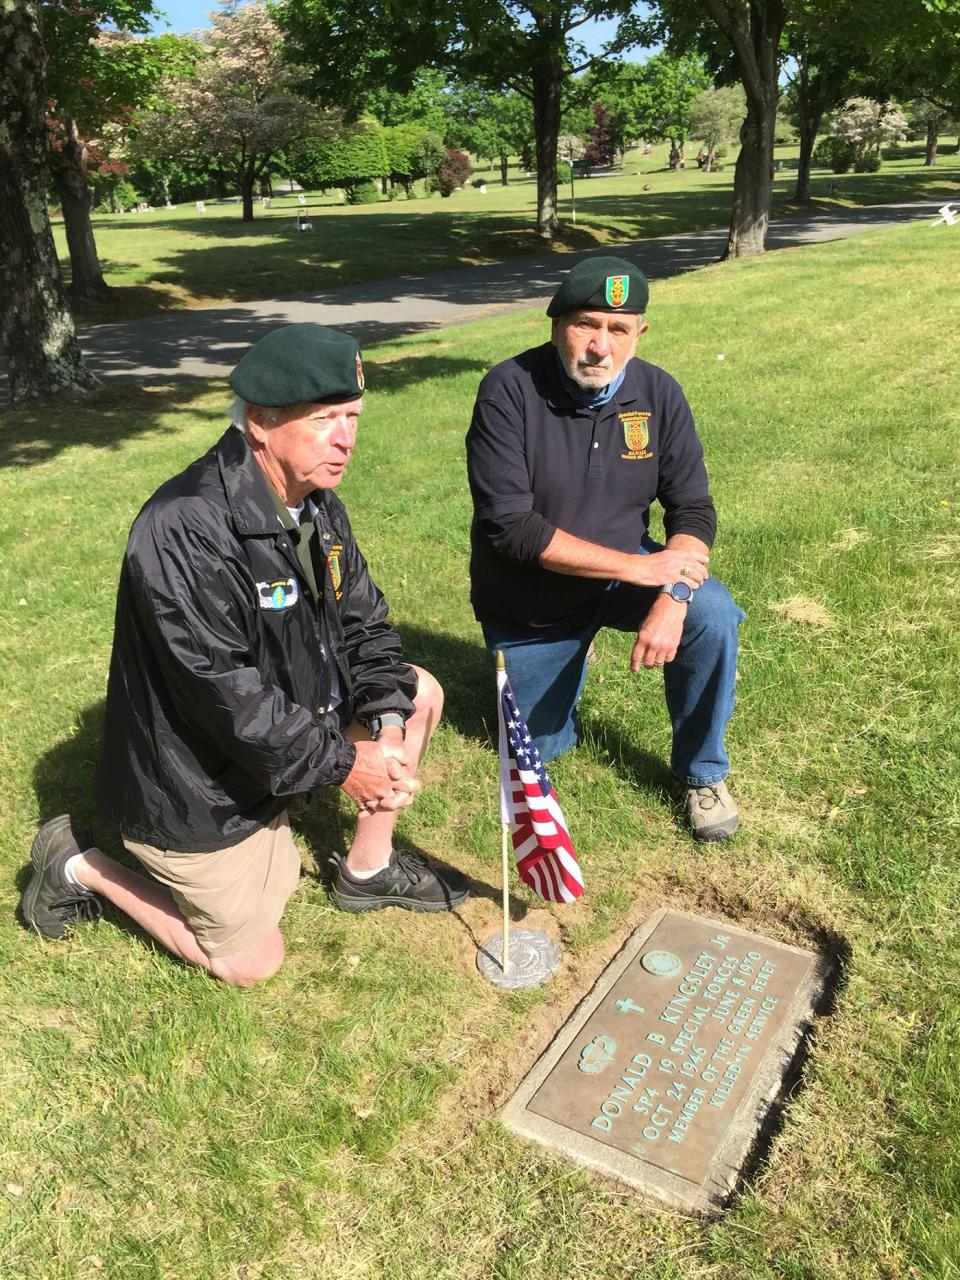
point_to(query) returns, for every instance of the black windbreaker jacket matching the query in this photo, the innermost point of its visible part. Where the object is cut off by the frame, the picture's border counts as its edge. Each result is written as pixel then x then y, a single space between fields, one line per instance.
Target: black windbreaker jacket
pixel 218 680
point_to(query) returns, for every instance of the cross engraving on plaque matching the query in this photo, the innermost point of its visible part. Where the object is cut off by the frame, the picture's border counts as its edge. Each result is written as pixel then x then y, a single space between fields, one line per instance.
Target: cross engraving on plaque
pixel 675 1104
pixel 626 1005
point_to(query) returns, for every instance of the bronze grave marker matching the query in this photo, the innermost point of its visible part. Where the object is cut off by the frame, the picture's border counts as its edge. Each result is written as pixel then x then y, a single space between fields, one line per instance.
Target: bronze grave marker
pixel 664 1075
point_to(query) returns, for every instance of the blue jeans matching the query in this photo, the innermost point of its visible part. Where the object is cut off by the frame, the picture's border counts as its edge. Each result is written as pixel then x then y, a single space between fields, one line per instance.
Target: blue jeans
pixel 547 670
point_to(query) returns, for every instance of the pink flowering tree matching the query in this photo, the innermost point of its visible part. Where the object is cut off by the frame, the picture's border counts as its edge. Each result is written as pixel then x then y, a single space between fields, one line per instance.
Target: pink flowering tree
pixel 867 125
pixel 239 106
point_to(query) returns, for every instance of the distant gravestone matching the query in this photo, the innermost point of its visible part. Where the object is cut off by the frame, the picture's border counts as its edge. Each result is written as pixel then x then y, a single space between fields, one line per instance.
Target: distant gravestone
pixel 664 1075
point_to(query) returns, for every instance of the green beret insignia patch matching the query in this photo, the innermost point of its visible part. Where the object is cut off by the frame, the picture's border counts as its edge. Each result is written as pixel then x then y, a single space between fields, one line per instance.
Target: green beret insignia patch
pixel 282 593
pixel 360 381
pixel 617 290
pixel 333 564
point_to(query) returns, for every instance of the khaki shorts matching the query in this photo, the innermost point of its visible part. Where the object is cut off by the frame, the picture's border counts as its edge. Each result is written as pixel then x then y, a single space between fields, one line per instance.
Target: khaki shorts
pixel 233 896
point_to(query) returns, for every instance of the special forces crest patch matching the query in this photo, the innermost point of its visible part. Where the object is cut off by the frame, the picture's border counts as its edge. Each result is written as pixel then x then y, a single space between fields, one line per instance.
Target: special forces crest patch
pixel 360 382
pixel 617 290
pixel 282 593
pixel 636 435
pixel 333 564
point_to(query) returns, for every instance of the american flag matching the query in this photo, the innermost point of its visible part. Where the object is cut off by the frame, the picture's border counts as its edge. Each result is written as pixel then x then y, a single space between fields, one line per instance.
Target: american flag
pixel 545 856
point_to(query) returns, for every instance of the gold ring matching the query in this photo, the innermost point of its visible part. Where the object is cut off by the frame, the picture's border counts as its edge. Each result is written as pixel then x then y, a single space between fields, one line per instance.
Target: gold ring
pixel 686 571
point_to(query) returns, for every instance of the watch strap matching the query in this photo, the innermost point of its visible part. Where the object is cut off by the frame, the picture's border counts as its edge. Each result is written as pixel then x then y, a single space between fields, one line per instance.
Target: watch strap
pixel 376 724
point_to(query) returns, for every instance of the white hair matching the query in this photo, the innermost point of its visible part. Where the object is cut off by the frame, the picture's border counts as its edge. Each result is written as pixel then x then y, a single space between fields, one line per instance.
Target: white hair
pixel 238 413
pixel 240 408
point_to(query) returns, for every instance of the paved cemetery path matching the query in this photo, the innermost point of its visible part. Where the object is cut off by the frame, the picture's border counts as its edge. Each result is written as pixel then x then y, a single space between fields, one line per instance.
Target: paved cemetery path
pixel 206 343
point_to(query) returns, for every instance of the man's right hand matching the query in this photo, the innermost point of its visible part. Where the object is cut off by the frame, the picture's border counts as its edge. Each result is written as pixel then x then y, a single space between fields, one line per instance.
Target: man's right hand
pixel 674 564
pixel 378 781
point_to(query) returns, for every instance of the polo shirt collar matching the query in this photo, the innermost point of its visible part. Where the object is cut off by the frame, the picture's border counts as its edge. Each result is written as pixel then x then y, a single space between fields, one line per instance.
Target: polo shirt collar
pixel 558 393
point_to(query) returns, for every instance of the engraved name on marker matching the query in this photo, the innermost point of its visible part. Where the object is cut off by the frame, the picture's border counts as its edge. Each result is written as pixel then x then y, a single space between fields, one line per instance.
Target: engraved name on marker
pixel 663 1076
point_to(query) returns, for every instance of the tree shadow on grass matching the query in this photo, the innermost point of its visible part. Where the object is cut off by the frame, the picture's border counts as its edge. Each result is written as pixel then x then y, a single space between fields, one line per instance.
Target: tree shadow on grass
pixel 105 419
pixel 114 414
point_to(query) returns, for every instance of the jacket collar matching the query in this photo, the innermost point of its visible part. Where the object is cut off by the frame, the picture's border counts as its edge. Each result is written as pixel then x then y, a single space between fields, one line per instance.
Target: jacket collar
pixel 251 502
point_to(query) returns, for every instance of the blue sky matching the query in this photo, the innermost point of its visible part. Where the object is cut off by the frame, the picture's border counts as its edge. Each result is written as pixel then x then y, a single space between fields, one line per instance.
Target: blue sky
pixel 186 15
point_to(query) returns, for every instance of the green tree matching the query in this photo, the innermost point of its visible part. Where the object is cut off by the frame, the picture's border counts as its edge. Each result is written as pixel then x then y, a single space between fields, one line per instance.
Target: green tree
pixel 715 117
pixel 352 155
pixel 928 120
pixel 43 354
pixel 494 126
pixel 423 104
pixel 238 106
pixel 820 72
pixel 740 41
pixel 653 99
pixel 412 152
pixel 528 46
pixel 96 77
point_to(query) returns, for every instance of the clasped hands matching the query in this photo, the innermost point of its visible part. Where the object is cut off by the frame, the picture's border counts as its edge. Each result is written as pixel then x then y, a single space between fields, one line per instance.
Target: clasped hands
pixel 382 778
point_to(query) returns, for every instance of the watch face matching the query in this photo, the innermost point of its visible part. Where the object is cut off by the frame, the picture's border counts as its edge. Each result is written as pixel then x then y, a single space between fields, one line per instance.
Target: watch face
pixel 682 592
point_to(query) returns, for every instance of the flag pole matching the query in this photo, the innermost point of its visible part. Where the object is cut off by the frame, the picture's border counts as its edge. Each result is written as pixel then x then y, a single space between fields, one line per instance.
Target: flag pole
pixel 504 834
pixel 535 955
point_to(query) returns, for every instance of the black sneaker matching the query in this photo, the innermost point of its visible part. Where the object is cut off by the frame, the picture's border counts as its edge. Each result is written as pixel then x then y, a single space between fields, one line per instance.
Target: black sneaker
pixel 50 903
pixel 408 880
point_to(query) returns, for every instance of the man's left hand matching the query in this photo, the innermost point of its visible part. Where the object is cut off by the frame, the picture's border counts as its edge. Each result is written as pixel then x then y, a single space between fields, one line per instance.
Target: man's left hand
pixel 394 752
pixel 659 634
pixel 392 745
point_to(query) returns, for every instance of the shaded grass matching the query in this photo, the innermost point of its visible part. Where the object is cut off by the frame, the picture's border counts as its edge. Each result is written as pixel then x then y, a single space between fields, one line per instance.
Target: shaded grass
pixel 174 258
pixel 340 1121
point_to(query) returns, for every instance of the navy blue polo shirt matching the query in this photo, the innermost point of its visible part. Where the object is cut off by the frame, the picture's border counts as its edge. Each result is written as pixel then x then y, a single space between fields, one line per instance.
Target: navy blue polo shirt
pixel 539 462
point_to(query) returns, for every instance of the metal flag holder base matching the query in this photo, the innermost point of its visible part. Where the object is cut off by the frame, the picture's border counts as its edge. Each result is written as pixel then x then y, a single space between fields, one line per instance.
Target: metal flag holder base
pixel 532 959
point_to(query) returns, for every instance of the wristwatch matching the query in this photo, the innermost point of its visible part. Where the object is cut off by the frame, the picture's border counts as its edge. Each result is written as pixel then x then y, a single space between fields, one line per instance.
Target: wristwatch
pixel 682 592
pixel 376 724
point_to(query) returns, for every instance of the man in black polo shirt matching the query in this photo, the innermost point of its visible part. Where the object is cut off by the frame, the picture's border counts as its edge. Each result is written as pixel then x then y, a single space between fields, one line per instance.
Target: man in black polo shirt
pixel 569 445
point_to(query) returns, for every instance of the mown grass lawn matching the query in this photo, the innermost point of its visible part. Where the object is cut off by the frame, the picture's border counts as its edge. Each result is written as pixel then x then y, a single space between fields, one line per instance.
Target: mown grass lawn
pixel 174 258
pixel 341 1121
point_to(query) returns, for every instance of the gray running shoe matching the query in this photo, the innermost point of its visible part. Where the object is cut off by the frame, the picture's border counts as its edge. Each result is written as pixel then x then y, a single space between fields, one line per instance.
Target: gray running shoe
pixel 408 880
pixel 50 903
pixel 711 812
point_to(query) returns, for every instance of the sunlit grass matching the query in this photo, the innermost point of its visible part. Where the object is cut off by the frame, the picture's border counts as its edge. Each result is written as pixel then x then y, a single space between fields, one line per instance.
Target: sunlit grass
pixel 175 258
pixel 340 1120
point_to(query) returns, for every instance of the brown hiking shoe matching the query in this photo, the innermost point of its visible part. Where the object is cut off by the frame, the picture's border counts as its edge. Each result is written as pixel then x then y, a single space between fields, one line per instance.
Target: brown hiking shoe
pixel 711 812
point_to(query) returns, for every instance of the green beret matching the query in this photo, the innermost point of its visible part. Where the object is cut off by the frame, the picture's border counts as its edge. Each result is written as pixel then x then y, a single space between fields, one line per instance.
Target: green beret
pixel 601 284
pixel 300 363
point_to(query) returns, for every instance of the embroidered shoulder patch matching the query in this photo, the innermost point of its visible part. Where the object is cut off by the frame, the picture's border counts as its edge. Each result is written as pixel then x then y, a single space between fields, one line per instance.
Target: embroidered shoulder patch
pixel 283 593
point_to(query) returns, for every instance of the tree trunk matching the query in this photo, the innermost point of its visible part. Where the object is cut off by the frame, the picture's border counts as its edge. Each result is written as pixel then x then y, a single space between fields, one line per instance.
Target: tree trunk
pixel 247 178
pixel 930 158
pixel 547 80
pixel 754 33
pixel 752 183
pixel 809 128
pixel 504 165
pixel 70 175
pixel 43 355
